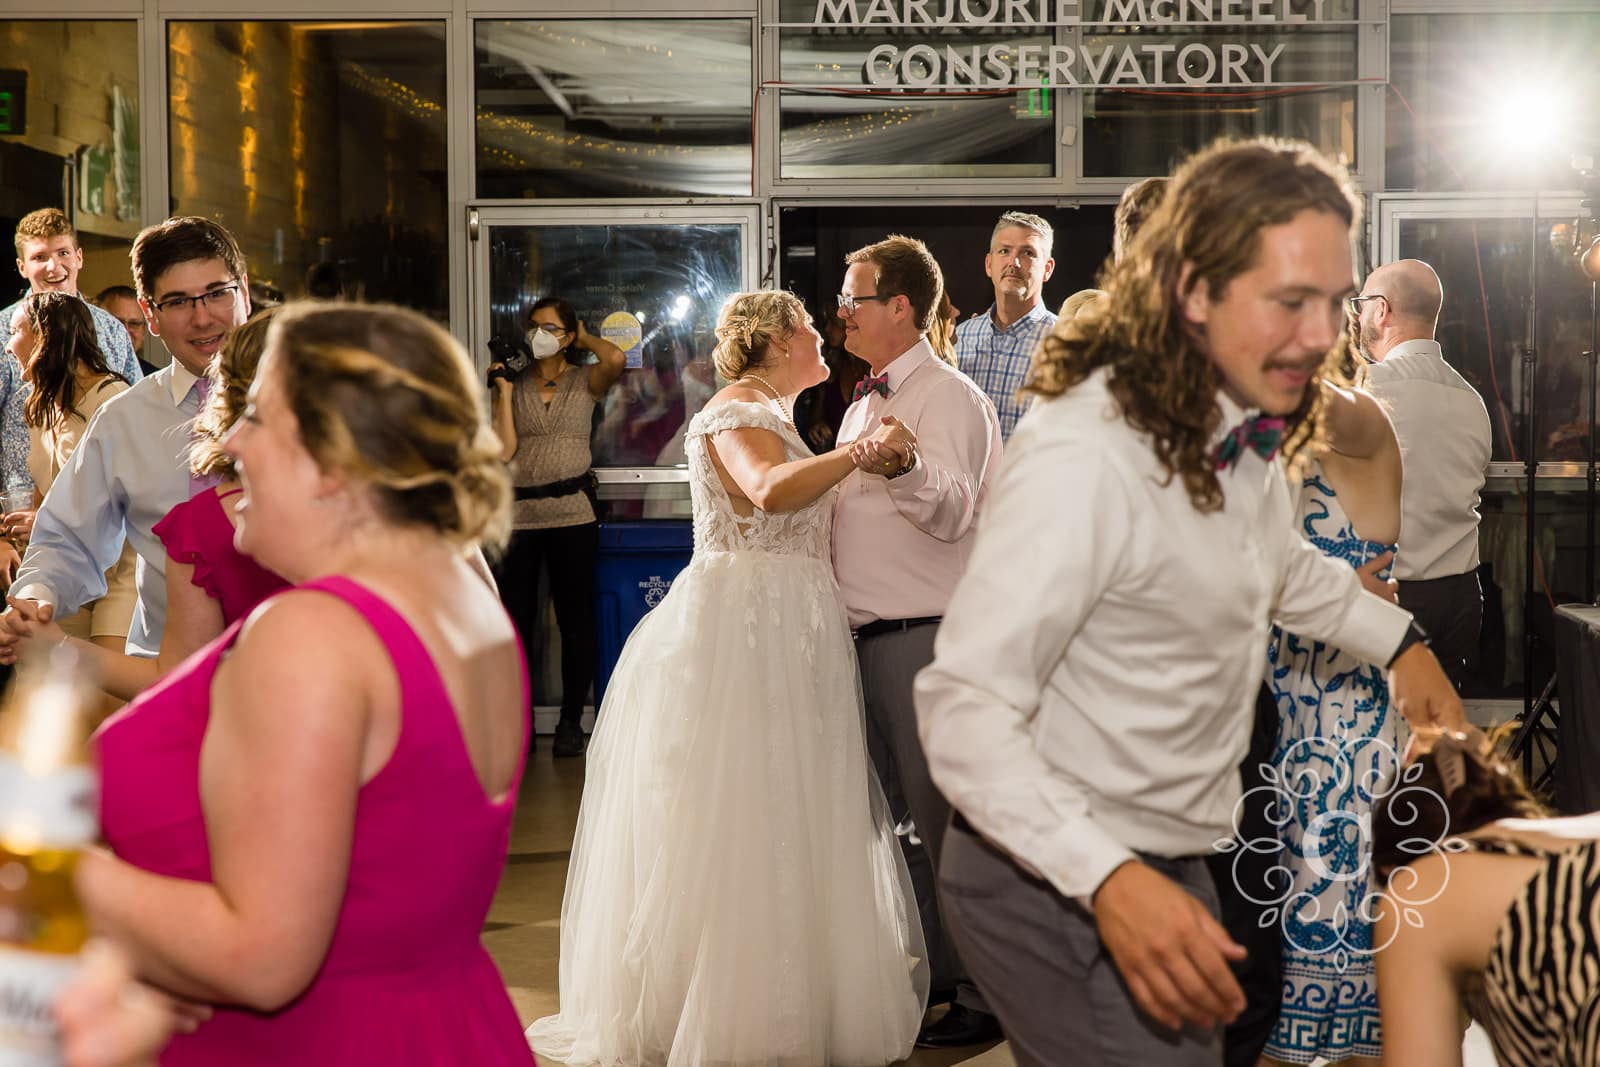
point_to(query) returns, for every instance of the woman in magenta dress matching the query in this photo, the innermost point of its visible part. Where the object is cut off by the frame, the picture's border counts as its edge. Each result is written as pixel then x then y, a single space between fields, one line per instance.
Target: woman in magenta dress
pixel 317 857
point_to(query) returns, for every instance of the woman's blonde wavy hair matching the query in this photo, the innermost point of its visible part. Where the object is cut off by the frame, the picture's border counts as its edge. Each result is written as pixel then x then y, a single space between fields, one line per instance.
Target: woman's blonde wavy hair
pixel 388 397
pixel 231 371
pixel 1210 219
pixel 748 324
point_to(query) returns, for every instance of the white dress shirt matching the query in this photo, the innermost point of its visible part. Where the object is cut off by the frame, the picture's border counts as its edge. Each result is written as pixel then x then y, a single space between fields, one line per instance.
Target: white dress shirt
pixel 1093 683
pixel 130 468
pixel 1445 442
pixel 900 544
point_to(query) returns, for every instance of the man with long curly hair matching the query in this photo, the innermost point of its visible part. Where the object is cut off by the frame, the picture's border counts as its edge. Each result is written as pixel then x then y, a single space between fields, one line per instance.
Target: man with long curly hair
pixel 1093 680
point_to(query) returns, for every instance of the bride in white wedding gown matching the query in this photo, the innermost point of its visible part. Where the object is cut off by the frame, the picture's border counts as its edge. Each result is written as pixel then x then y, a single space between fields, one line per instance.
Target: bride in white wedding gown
pixel 736 894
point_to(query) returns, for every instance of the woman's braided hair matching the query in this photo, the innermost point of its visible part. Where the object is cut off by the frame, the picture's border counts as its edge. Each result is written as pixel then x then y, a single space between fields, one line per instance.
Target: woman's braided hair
pixel 749 322
pixel 387 396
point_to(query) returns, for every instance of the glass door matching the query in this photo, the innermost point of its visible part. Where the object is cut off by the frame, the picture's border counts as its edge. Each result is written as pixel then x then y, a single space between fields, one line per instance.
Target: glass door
pixel 649 279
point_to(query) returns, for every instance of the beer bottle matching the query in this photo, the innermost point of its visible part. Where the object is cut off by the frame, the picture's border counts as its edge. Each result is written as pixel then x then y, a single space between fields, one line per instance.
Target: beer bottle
pixel 47 813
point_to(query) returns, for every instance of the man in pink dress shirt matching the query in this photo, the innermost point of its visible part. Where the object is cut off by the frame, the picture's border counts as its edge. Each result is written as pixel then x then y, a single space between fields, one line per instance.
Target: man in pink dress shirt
pixel 901 539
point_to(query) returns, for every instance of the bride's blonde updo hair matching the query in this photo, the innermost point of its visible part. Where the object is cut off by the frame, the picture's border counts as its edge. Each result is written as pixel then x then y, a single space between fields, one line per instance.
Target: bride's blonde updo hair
pixel 748 324
pixel 387 396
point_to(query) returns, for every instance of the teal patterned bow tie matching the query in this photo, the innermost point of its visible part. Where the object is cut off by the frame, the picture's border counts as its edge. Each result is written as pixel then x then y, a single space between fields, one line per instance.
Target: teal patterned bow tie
pixel 1260 433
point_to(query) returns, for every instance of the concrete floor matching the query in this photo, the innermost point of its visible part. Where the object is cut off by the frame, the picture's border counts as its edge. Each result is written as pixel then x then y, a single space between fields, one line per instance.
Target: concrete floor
pixel 523 931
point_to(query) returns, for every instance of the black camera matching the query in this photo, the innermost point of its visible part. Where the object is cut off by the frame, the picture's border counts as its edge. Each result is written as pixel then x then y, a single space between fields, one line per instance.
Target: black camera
pixel 512 355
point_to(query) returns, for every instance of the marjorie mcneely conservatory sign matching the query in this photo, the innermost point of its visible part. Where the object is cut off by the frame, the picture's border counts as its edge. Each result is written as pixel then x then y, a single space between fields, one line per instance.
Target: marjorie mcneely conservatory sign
pixel 1115 54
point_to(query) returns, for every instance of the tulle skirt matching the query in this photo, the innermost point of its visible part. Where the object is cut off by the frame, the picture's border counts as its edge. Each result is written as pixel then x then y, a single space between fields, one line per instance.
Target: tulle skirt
pixel 736 893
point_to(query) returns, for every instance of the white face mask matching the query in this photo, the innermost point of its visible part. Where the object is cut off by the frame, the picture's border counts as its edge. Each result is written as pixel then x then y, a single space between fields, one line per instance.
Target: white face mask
pixel 542 344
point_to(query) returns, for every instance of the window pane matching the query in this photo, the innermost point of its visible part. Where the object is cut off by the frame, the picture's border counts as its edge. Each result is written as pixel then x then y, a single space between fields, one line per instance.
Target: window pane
pixel 69 126
pixel 1471 87
pixel 654 290
pixel 832 134
pixel 1483 329
pixel 317 143
pixel 613 107
pixel 1140 132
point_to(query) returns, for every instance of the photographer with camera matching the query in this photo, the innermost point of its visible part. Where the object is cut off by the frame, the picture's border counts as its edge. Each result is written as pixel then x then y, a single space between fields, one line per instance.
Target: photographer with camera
pixel 544 397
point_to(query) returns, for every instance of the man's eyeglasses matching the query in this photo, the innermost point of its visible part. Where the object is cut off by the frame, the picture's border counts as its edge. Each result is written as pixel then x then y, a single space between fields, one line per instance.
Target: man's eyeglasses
pixel 214 299
pixel 1353 304
pixel 849 304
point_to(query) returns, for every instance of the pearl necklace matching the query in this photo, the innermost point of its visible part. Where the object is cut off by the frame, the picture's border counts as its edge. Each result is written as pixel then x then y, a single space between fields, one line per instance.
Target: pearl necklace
pixel 788 416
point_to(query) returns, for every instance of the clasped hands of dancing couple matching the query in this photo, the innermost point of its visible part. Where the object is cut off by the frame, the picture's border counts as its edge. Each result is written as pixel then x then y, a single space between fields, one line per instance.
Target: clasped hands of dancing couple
pixel 889 450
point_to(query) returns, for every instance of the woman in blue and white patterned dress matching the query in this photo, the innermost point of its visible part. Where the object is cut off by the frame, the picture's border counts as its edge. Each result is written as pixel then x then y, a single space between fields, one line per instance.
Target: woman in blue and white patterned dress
pixel 1338 744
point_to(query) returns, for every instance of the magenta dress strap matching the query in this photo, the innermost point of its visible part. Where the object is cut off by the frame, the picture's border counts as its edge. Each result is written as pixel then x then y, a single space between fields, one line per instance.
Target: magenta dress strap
pixel 413 663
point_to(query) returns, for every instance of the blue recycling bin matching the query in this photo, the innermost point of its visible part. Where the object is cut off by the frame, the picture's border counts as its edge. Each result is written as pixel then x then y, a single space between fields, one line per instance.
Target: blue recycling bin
pixel 637 564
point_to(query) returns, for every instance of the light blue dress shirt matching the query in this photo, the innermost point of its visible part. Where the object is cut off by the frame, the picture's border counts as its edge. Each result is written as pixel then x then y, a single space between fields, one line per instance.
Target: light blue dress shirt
pixel 115 345
pixel 998 360
pixel 131 468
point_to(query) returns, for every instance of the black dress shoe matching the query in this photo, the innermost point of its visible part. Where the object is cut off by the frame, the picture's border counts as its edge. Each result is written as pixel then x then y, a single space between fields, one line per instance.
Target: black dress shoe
pixel 569 739
pixel 958 1028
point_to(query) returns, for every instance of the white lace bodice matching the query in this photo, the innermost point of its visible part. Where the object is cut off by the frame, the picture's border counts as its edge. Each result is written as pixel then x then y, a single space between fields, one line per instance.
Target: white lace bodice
pixel 717 527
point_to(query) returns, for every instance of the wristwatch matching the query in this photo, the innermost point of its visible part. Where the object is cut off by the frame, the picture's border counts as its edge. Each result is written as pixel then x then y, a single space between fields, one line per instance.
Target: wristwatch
pixel 1414 635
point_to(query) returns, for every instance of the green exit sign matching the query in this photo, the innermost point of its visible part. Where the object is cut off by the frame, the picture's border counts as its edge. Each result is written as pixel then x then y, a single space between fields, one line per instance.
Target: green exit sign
pixel 13 102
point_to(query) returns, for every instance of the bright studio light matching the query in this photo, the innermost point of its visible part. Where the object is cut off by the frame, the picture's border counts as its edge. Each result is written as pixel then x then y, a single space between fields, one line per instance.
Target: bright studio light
pixel 680 308
pixel 1529 123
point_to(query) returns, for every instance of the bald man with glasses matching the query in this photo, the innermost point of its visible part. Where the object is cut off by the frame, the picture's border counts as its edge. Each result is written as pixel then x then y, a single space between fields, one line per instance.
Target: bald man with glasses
pixel 1445 444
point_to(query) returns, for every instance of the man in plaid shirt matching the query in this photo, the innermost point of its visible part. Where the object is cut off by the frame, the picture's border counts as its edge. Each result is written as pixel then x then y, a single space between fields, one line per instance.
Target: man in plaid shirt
pixel 995 348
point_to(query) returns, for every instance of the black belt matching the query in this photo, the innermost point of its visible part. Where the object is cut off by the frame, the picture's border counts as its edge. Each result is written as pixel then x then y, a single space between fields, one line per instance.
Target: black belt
pixel 1463 578
pixel 565 487
pixel 886 626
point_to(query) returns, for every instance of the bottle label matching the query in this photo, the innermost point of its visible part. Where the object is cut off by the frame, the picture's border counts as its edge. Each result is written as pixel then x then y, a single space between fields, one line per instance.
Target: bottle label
pixel 30 982
pixel 54 809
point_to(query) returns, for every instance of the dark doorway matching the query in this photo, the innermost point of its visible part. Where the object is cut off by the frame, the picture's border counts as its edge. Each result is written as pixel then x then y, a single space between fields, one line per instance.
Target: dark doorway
pixel 816 240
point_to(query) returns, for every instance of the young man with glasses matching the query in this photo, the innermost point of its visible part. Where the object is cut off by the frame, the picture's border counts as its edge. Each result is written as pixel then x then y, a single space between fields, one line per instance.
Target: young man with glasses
pixel 49 258
pixel 131 466
pixel 901 538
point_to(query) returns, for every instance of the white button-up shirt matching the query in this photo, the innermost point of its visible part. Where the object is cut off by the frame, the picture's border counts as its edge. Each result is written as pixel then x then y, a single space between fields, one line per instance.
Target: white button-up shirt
pixel 900 544
pixel 1094 679
pixel 1445 443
